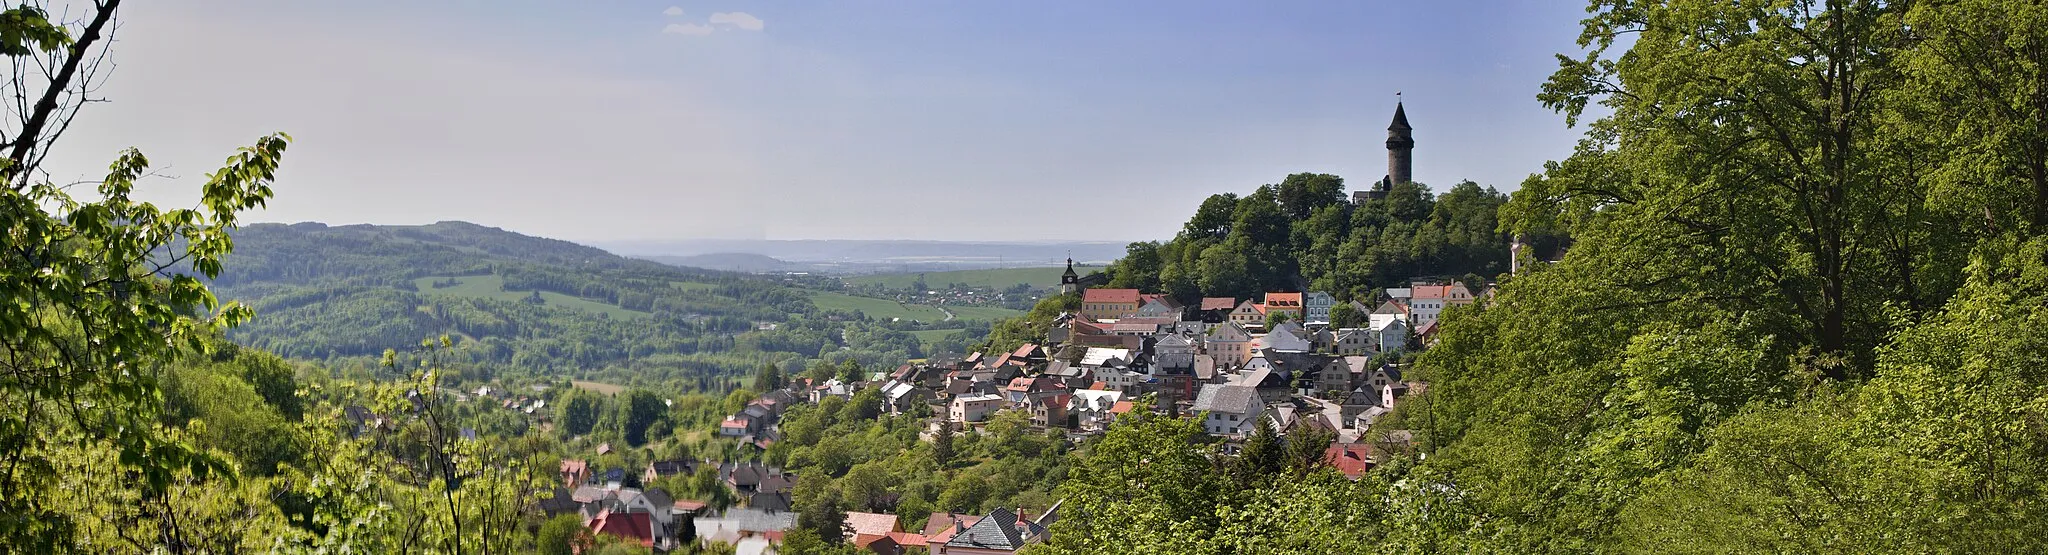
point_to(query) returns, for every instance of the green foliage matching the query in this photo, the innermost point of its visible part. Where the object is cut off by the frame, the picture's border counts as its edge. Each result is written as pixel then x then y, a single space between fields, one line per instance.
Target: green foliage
pixel 560 535
pixel 1302 234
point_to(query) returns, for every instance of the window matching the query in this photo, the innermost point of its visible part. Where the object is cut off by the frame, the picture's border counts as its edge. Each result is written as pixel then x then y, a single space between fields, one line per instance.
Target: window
pixel 1233 418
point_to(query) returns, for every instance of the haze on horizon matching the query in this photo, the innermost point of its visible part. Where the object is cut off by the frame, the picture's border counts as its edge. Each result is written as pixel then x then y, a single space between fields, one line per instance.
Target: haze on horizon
pixel 660 120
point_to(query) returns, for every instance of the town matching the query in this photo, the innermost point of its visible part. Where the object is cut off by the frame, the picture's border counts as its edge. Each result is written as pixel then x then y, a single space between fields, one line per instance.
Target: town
pixel 1302 365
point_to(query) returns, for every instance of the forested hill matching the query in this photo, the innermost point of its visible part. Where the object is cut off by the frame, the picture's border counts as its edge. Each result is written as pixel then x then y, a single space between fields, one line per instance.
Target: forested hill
pixel 1305 234
pixel 516 302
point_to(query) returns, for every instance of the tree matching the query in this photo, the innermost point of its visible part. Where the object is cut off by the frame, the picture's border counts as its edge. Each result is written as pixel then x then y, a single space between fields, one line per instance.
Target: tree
pixel 1344 315
pixel 99 290
pixel 1274 319
pixel 560 535
pixel 642 410
pixel 821 514
pixel 942 445
pixel 1263 457
pixel 769 378
pixel 577 410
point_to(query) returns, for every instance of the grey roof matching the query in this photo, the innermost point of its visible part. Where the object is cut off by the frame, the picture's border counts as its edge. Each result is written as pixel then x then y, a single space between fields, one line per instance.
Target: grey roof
pixel 755 520
pixel 1227 399
pixel 1286 341
pixel 1173 340
pixel 999 530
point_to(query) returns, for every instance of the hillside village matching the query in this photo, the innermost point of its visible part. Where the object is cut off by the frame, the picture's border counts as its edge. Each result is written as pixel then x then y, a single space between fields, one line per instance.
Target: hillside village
pixel 1124 351
pixel 1299 361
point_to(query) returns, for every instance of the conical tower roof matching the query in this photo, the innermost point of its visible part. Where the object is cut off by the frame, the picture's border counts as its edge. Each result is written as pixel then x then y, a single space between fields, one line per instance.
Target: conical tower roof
pixel 1400 119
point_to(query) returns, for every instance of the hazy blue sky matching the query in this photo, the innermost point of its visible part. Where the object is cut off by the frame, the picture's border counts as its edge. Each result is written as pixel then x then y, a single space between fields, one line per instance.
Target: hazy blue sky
pixel 966 120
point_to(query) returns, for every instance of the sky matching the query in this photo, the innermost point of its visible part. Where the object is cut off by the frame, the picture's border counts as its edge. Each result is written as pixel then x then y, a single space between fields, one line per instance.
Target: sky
pixel 1056 120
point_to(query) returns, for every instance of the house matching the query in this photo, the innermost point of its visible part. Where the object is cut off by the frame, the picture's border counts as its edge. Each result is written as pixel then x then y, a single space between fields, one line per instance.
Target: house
pixel 575 472
pixel 831 388
pixel 1390 311
pixel 1352 459
pixel 879 524
pixel 974 408
pixel 1000 532
pixel 1284 303
pixel 1216 310
pixel 1315 307
pixel 1109 304
pixel 1249 314
pixel 1389 336
pixel 1355 342
pixel 1091 408
pixel 1341 375
pixel 662 469
pixel 1159 306
pixel 900 397
pixel 741 524
pixel 1229 410
pixel 1049 408
pixel 630 527
pixel 1287 337
pixel 1429 301
pixel 1229 345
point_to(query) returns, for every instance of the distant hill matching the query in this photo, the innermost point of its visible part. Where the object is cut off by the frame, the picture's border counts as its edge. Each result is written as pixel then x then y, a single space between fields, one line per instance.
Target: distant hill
pixel 529 302
pixel 731 262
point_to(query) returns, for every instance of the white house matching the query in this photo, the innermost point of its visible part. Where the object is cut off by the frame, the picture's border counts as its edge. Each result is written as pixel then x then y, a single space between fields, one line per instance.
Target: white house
pixel 974 408
pixel 1315 307
pixel 1229 410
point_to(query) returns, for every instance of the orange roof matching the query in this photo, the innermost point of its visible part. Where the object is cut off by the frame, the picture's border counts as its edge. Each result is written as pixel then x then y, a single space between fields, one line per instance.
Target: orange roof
pixel 1283 300
pixel 1024 351
pixel 1430 292
pixel 1110 296
pixel 1121 407
pixel 1218 303
pixel 1099 386
pixel 907 539
pixel 862 540
pixel 690 505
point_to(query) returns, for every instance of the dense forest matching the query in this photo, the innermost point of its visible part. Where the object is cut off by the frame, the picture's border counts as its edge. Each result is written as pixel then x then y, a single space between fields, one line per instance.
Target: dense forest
pixel 1805 310
pixel 1304 234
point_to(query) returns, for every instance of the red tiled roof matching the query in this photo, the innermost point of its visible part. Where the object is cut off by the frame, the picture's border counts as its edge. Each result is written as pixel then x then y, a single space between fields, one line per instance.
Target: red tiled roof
pixel 1099 386
pixel 631 526
pixel 1020 384
pixel 1121 407
pixel 1024 351
pixel 1218 303
pixel 1352 459
pixel 1110 296
pixel 574 466
pixel 690 505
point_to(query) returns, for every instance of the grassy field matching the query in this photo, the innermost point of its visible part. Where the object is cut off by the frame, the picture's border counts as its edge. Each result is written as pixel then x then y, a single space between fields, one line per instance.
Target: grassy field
pixel 491 287
pixel 885 309
pixel 599 387
pixel 692 286
pixel 998 278
pixel 931 336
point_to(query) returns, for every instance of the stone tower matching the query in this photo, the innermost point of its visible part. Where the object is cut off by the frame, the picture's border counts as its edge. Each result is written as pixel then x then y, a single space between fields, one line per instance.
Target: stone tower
pixel 1400 148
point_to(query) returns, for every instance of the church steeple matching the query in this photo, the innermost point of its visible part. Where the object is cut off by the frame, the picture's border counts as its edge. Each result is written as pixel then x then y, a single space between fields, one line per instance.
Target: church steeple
pixel 1070 281
pixel 1400 146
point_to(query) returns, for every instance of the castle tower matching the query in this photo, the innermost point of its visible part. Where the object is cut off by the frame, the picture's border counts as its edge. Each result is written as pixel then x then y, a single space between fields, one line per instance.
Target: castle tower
pixel 1070 281
pixel 1400 148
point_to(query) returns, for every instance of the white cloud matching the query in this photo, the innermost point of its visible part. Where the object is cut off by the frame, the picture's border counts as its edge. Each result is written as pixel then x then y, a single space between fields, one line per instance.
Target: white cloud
pixel 741 20
pixel 692 29
pixel 673 11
